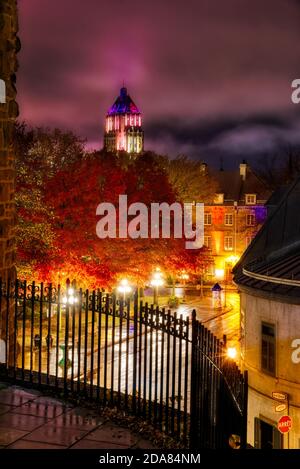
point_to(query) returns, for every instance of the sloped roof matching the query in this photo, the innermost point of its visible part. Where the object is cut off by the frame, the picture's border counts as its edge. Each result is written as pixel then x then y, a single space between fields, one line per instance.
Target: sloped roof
pixel 276 197
pixel 123 105
pixel 272 261
pixel 234 187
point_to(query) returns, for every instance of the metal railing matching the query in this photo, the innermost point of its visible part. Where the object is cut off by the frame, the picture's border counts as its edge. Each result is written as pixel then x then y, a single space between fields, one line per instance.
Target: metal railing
pixel 168 369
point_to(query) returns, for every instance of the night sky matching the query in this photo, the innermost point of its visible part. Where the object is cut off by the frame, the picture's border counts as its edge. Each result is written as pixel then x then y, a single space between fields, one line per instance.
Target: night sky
pixel 212 77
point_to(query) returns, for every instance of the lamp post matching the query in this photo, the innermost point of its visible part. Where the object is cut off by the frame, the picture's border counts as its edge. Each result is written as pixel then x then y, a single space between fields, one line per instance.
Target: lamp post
pixel 156 282
pixel 184 276
pixel 69 299
pixel 124 288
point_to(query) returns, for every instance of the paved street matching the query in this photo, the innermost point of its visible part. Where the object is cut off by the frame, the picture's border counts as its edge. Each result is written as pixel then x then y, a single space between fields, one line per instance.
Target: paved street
pixel 29 420
pixel 220 322
pixel 116 362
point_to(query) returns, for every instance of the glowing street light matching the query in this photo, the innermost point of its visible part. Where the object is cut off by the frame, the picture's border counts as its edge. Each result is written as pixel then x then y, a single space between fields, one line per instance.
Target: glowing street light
pixel 156 282
pixel 232 353
pixel 220 274
pixel 232 259
pixel 124 288
pixel 70 298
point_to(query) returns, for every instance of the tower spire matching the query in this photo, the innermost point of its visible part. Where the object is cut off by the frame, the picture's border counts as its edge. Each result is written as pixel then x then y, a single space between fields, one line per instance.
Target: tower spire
pixel 123 127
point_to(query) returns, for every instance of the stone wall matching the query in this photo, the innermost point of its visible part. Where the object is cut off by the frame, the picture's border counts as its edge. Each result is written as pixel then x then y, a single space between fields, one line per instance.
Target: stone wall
pixel 9 46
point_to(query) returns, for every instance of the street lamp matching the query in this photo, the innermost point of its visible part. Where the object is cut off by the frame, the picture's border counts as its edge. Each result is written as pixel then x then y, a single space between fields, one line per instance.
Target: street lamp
pixel 156 282
pixel 69 298
pixel 232 259
pixel 124 288
pixel 219 274
pixel 232 353
pixel 184 276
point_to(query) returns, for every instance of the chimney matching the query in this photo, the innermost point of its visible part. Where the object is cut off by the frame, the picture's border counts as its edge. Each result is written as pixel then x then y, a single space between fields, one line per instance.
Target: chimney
pixel 203 168
pixel 243 170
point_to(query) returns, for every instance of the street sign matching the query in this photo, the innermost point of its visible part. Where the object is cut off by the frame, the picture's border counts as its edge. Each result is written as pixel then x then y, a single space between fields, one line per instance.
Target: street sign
pixel 280 396
pixel 284 424
pixel 280 407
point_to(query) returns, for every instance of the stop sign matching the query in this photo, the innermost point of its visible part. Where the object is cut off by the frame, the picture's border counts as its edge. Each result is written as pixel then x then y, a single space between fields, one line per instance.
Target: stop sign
pixel 284 424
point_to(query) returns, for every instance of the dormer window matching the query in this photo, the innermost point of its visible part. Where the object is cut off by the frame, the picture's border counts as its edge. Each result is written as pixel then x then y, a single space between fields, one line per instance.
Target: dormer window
pixel 250 199
pixel 219 198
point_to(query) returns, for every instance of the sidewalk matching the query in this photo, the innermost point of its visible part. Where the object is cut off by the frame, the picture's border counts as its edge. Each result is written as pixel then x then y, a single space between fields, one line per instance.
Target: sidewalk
pixel 29 420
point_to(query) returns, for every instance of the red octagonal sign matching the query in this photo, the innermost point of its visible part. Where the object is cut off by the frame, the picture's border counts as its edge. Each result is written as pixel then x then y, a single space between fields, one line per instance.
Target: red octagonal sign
pixel 284 424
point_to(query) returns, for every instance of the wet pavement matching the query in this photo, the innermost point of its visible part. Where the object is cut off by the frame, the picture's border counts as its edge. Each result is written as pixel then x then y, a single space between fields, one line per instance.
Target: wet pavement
pixel 29 420
pixel 225 320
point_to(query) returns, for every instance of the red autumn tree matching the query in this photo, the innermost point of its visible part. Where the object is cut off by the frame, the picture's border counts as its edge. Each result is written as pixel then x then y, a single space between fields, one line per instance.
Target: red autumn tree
pixel 73 196
pixel 59 188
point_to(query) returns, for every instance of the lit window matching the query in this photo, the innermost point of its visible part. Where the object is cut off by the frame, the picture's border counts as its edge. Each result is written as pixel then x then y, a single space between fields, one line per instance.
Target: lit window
pixel 250 219
pixel 250 199
pixel 228 219
pixel 219 198
pixel 228 243
pixel 268 350
pixel 207 219
pixel 207 242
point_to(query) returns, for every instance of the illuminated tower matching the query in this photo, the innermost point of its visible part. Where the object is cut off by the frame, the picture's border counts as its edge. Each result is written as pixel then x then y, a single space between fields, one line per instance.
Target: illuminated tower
pixel 123 126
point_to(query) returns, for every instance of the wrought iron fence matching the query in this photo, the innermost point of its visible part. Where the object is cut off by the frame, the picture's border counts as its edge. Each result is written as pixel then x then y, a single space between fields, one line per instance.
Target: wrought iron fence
pixel 166 368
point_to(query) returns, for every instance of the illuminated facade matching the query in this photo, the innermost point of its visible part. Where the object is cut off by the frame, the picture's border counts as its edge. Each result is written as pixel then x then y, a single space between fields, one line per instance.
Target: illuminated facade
pixel 234 218
pixel 123 126
pixel 268 277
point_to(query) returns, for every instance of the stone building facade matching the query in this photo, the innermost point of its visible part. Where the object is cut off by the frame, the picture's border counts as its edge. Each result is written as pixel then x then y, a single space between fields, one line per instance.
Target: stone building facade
pixel 9 45
pixel 234 218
